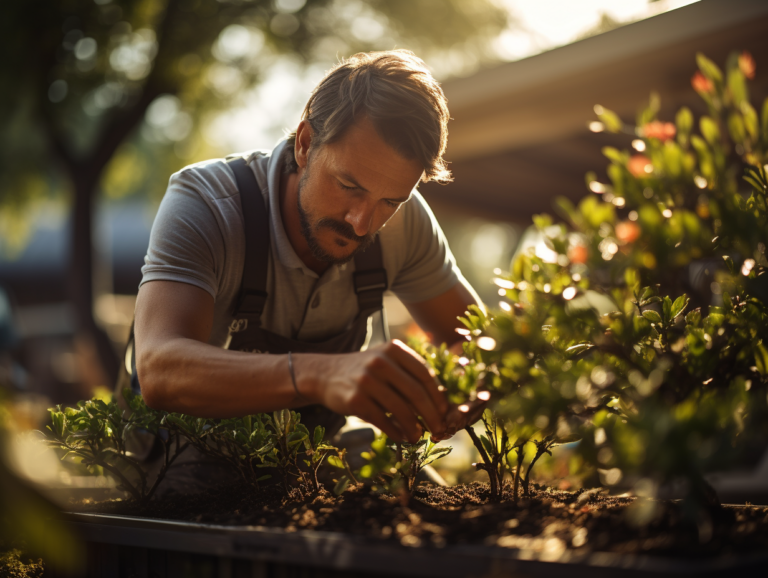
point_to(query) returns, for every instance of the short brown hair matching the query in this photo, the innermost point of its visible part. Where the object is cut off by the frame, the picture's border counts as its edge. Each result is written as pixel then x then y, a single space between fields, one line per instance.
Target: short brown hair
pixel 396 91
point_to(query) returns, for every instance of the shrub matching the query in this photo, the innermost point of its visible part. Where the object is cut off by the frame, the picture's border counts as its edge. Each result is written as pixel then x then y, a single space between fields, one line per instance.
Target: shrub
pixel 606 333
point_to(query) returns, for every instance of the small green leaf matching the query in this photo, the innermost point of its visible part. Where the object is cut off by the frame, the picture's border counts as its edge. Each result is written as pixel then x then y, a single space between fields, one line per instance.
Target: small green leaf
pixel 709 130
pixel 736 128
pixel 684 122
pixel 609 118
pixel 761 358
pixel 648 292
pixel 336 462
pixel 750 120
pixel 650 301
pixel 764 126
pixel 341 485
pixel 666 308
pixel 709 68
pixel 729 264
pixel 542 221
pixel 615 155
pixel 652 316
pixel 318 434
pixel 679 306
pixel 737 86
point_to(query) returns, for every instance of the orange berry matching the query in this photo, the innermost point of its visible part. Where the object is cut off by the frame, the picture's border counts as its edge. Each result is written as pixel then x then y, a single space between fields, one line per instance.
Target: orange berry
pixel 701 83
pixel 660 130
pixel 639 166
pixel 747 65
pixel 627 232
pixel 578 254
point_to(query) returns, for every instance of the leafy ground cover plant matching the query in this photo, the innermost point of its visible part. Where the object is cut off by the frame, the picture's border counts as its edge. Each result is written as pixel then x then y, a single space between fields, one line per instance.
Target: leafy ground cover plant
pixel 640 323
pixel 255 446
pixel 240 442
pixel 97 432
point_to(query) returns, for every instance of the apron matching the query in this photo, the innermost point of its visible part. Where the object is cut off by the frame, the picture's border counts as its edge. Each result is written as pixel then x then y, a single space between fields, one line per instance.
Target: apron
pixel 246 333
pixel 370 282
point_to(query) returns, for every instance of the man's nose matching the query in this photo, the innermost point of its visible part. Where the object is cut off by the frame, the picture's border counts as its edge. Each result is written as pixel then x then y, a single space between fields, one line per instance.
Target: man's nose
pixel 360 217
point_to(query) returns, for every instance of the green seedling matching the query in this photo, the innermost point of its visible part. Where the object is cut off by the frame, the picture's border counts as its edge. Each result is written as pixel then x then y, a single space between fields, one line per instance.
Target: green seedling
pixel 393 467
pixel 413 458
pixel 493 447
pixel 543 446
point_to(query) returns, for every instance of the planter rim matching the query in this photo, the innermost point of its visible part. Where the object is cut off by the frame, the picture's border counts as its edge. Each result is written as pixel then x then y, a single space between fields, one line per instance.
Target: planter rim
pixel 354 553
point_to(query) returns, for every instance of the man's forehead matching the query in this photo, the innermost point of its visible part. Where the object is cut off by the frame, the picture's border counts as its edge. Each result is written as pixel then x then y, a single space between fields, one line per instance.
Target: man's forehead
pixel 363 154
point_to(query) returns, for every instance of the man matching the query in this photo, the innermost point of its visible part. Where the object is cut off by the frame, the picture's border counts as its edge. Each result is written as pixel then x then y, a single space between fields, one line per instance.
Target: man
pixel 248 307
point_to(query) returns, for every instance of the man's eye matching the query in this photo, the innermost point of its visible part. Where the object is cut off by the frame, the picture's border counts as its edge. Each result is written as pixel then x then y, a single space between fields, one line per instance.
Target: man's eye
pixel 345 187
pixel 393 204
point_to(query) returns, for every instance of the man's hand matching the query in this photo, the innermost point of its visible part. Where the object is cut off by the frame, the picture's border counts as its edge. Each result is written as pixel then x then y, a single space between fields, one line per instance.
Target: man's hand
pixel 459 417
pixel 389 386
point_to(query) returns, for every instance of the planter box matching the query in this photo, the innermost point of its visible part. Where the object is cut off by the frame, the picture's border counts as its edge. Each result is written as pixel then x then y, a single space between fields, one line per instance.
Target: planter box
pixel 124 546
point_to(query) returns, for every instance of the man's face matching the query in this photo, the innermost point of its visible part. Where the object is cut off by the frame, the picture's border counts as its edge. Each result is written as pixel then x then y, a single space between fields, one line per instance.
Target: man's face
pixel 349 189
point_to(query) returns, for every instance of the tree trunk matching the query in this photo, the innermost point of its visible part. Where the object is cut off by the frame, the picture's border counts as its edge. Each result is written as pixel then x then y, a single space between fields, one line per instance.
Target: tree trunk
pixel 80 274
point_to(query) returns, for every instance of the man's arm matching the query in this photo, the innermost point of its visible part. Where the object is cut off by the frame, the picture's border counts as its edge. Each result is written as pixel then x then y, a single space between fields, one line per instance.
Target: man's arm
pixel 438 316
pixel 180 372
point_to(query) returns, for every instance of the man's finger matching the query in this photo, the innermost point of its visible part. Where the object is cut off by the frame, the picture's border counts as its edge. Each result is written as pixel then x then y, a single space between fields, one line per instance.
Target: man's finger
pixel 376 416
pixel 414 393
pixel 416 366
pixel 463 415
pixel 388 399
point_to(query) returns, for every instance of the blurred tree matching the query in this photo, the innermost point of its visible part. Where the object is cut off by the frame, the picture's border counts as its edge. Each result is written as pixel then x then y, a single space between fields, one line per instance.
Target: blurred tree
pixel 81 77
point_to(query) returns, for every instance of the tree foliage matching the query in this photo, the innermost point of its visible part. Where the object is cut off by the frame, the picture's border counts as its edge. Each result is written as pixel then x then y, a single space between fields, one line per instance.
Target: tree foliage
pixel 111 94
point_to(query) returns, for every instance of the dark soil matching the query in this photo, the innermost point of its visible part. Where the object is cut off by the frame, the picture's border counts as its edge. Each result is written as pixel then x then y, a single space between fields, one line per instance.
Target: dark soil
pixel 549 521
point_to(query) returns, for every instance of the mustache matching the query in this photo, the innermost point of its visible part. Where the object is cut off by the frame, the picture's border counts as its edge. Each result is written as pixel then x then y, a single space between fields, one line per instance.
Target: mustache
pixel 344 229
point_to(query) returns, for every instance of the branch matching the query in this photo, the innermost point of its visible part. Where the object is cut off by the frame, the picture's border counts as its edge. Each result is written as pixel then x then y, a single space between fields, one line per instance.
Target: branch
pixel 129 487
pixel 118 129
pixel 478 444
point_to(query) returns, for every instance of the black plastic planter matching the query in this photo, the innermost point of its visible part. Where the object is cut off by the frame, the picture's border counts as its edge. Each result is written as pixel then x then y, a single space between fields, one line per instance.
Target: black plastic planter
pixel 123 547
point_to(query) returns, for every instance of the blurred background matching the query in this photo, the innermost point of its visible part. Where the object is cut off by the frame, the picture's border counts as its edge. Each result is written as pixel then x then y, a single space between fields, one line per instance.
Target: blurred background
pixel 102 100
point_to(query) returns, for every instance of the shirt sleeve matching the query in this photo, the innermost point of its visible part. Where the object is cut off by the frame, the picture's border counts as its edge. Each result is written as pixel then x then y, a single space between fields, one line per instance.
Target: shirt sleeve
pixel 429 268
pixel 185 243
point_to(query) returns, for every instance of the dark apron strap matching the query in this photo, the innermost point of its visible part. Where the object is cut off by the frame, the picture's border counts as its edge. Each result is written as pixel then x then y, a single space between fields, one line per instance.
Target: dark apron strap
pixel 253 289
pixel 370 279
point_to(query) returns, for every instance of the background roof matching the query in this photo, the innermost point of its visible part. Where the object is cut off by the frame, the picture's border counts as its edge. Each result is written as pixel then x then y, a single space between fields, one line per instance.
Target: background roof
pixel 519 135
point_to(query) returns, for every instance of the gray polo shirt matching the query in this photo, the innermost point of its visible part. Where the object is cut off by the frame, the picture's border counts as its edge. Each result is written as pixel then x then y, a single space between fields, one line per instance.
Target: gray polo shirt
pixel 198 238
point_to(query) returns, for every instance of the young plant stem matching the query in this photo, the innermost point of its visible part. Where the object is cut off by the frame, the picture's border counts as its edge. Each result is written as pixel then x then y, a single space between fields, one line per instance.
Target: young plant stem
pixel 343 457
pixel 520 458
pixel 168 462
pixel 487 466
pixel 129 487
pixel 541 449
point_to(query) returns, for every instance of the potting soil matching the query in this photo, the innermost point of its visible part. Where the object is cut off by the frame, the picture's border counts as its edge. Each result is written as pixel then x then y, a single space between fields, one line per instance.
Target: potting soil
pixel 549 521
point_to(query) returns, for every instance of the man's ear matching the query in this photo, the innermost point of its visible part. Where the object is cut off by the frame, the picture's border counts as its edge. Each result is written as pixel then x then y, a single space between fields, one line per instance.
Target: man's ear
pixel 303 142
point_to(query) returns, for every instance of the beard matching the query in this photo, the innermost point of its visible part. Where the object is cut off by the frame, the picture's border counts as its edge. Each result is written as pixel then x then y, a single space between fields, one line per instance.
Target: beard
pixel 309 231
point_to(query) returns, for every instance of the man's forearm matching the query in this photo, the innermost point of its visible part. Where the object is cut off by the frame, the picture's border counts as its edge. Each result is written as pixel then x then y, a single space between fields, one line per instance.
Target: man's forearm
pixel 187 376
